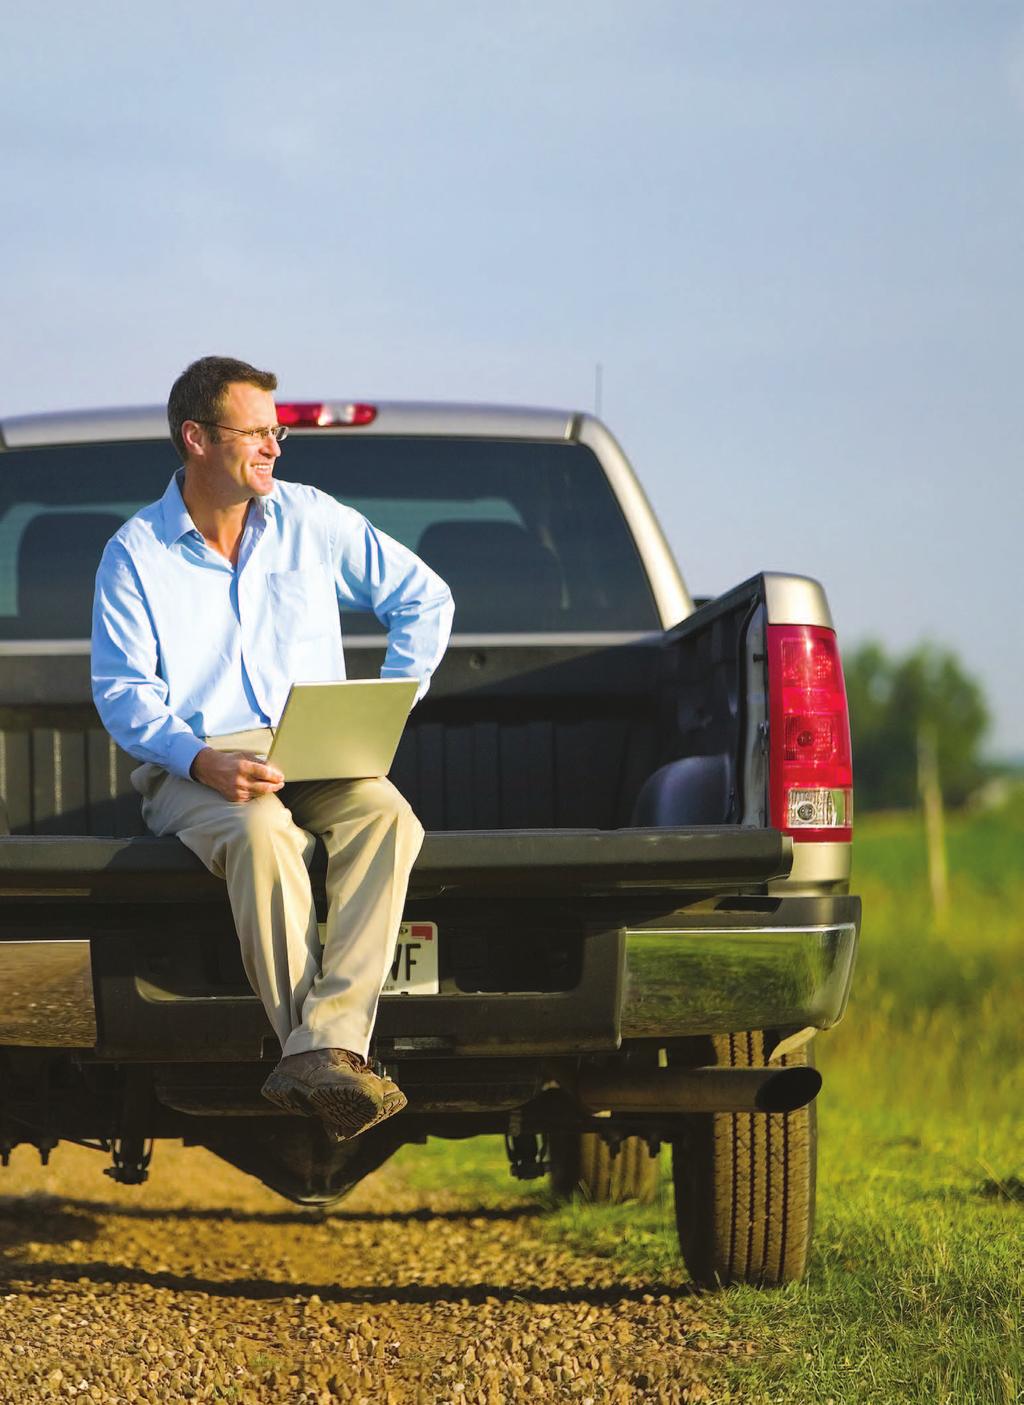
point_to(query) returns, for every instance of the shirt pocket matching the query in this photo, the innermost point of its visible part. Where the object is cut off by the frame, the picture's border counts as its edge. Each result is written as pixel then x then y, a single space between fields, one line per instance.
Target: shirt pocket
pixel 304 605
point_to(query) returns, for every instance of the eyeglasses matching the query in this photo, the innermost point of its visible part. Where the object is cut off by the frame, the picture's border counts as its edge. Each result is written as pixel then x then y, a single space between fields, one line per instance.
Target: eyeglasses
pixel 267 431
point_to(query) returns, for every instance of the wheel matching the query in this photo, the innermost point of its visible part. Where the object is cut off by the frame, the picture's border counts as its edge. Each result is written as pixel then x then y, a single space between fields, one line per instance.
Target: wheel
pixel 582 1164
pixel 744 1182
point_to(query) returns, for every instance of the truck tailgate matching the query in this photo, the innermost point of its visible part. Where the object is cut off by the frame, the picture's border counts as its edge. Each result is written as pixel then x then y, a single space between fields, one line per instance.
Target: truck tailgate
pixel 515 863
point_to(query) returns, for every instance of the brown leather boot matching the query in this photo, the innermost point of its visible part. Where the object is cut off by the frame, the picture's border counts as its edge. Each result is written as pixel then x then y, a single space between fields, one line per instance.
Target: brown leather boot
pixel 337 1086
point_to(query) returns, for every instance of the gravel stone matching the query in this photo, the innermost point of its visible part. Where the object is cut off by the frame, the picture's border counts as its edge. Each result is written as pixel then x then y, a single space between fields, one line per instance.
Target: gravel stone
pixel 203 1286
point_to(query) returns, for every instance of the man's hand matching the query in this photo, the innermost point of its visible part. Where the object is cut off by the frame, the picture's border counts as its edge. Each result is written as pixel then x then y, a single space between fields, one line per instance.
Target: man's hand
pixel 237 775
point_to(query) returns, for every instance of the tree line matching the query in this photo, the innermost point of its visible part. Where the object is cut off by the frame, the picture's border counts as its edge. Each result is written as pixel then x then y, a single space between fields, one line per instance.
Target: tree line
pixel 897 706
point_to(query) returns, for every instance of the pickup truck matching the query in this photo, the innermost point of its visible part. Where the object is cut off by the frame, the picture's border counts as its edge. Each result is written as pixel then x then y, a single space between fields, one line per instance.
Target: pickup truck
pixel 631 913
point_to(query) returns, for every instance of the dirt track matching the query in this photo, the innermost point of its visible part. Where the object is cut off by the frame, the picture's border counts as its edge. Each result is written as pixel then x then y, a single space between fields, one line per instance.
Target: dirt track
pixel 201 1285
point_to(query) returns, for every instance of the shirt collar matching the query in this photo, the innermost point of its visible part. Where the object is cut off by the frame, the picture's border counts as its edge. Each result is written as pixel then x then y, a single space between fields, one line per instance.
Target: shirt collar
pixel 177 523
pixel 266 508
pixel 174 515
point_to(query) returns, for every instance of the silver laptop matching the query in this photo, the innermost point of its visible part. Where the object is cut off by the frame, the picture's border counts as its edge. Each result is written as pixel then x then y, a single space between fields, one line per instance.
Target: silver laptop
pixel 341 731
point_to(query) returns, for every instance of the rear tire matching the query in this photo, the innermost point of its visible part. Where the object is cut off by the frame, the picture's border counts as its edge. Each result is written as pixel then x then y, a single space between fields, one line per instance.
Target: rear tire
pixel 582 1165
pixel 745 1182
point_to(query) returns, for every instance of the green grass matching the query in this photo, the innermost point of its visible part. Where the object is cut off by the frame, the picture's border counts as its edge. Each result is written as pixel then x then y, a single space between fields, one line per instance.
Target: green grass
pixel 916 1286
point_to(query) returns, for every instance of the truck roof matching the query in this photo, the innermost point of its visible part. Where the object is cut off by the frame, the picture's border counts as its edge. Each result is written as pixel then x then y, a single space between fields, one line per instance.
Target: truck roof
pixel 102 426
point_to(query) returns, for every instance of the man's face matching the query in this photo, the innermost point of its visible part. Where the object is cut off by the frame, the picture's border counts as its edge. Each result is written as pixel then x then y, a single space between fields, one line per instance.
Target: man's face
pixel 245 461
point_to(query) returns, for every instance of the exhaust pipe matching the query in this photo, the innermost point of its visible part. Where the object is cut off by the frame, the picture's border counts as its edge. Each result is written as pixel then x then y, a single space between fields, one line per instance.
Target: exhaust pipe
pixel 699 1090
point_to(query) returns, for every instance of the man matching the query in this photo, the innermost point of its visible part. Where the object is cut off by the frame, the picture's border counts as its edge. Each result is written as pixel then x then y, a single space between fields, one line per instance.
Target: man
pixel 209 604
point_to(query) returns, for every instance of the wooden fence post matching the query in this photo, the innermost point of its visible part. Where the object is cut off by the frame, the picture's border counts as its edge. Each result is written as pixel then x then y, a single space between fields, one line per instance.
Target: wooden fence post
pixel 934 826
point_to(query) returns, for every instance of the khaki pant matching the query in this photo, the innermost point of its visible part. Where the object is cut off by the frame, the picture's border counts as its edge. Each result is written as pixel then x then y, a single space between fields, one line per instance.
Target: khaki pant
pixel 315 998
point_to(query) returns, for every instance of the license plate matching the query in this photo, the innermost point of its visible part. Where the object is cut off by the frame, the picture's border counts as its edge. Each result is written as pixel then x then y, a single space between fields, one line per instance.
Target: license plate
pixel 414 965
pixel 414 968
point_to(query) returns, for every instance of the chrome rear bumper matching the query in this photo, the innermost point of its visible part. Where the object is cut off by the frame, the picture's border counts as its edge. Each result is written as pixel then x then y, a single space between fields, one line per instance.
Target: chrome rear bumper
pixel 692 980
pixel 678 981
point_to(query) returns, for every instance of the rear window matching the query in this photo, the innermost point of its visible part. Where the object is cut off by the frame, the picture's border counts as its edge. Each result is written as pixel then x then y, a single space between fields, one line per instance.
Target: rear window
pixel 528 534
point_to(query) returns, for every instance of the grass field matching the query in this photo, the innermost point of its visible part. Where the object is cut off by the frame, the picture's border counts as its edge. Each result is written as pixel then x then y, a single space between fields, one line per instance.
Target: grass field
pixel 916 1288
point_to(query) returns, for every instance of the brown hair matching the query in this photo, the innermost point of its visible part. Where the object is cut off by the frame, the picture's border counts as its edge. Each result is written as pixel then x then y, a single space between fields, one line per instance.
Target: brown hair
pixel 199 390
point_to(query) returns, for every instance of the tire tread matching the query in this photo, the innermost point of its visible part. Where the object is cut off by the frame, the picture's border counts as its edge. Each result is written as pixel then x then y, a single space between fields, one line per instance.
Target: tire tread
pixel 744 1183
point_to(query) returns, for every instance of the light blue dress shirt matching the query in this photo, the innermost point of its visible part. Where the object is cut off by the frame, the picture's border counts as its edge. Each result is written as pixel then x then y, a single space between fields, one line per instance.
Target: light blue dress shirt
pixel 186 646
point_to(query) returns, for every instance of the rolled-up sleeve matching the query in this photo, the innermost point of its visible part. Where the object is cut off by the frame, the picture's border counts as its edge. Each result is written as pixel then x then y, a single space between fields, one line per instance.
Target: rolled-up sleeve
pixel 130 695
pixel 375 572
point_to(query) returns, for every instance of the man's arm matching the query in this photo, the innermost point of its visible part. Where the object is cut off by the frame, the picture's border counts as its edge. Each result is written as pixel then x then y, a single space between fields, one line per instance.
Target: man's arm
pixel 131 697
pixel 375 572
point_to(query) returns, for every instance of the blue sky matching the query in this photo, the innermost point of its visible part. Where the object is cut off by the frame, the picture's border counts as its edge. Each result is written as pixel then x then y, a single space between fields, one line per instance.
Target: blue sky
pixel 790 233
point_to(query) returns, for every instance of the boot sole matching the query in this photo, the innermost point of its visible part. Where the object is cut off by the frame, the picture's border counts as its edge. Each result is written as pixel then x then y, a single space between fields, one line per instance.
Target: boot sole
pixel 347 1117
pixel 345 1110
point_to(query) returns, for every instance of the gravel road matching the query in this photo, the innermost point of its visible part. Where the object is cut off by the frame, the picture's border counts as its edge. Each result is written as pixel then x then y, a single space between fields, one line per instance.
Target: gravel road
pixel 201 1285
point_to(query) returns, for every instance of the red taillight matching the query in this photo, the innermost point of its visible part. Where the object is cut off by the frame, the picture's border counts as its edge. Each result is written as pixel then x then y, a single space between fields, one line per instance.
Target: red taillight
pixel 810 768
pixel 314 414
